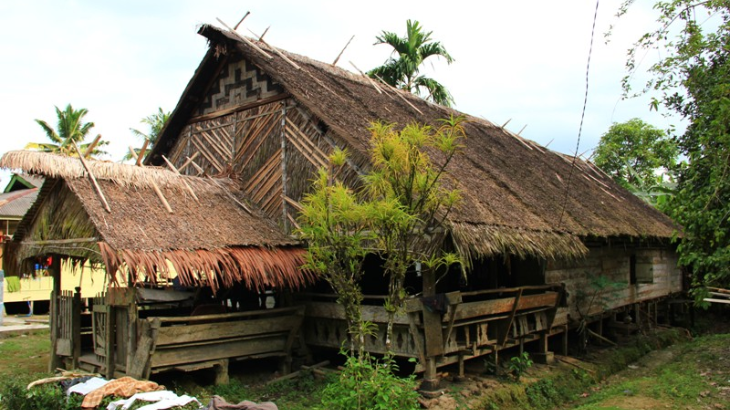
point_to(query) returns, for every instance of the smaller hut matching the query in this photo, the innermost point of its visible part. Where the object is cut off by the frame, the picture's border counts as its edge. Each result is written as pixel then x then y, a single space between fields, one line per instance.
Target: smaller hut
pixel 188 267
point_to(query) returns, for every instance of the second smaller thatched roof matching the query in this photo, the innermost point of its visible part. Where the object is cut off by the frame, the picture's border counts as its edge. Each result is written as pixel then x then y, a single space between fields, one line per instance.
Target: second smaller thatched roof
pixel 210 237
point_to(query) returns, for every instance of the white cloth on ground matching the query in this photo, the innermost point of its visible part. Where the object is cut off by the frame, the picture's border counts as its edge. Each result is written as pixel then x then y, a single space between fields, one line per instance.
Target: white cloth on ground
pixel 87 386
pixel 164 399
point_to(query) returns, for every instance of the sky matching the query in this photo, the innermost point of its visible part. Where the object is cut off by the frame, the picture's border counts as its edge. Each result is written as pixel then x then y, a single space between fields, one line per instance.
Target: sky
pixel 517 61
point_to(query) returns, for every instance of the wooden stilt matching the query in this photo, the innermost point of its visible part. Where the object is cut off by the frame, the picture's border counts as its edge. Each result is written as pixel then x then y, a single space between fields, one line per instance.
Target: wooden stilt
pixel 221 372
pixel 564 340
pixel 55 270
pixel 76 328
pixel 433 334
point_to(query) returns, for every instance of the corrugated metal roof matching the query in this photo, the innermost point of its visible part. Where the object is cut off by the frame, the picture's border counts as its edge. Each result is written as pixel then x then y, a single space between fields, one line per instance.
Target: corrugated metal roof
pixel 16 204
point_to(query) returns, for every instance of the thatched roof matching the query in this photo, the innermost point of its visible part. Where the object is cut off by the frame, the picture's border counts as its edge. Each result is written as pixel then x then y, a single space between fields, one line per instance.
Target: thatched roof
pixel 519 197
pixel 210 240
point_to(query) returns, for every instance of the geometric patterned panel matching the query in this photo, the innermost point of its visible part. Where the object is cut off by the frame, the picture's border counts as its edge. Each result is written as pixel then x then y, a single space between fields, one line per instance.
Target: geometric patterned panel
pixel 237 83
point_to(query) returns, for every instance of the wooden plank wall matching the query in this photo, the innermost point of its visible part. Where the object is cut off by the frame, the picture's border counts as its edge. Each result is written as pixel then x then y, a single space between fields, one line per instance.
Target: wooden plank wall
pixel 614 263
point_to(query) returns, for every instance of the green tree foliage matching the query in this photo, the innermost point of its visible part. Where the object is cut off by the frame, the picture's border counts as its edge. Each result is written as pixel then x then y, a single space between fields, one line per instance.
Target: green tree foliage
pixel 71 129
pixel 398 213
pixel 410 203
pixel 402 69
pixel 693 81
pixel 333 222
pixel 156 123
pixel 632 152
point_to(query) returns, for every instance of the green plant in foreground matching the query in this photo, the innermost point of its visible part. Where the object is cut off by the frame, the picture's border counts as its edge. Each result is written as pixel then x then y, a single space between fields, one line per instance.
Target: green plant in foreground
pixel 518 365
pixel 368 383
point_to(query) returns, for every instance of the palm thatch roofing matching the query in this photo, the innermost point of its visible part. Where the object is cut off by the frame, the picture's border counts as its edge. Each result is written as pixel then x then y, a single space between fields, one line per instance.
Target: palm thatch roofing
pixel 210 240
pixel 519 197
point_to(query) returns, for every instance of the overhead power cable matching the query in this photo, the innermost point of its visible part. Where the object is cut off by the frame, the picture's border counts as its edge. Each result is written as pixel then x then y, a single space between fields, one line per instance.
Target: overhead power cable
pixel 582 118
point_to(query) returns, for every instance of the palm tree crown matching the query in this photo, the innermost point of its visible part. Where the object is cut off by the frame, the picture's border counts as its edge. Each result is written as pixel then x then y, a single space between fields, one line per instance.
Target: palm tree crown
pixel 156 123
pixel 71 129
pixel 409 53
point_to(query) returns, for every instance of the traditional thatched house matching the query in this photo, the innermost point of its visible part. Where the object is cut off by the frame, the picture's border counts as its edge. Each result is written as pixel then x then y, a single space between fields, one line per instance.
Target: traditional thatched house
pixel 28 291
pixel 536 226
pixel 153 228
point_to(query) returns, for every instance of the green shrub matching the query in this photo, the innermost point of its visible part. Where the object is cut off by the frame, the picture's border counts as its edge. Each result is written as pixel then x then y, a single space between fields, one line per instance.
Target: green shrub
pixel 367 383
pixel 518 365
pixel 15 396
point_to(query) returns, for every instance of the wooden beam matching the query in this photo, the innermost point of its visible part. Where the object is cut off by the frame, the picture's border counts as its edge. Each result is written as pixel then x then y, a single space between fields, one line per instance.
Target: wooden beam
pixel 711 300
pixel 162 197
pixel 334 63
pixel 241 20
pixel 91 146
pixel 368 78
pixel 242 107
pixel 245 40
pixel 142 150
pixel 173 169
pixel 93 179
pixel 61 241
pixel 187 162
pixel 154 184
pixel 503 336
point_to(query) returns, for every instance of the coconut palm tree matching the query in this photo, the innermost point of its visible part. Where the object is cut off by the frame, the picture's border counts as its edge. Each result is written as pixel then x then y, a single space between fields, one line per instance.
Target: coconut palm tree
pixel 71 129
pixel 156 123
pixel 409 53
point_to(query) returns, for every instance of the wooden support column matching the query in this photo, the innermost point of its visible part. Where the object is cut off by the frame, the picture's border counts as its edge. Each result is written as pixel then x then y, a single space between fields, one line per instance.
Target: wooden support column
pixel 283 169
pixel 543 355
pixel 434 334
pixel 522 346
pixel 221 372
pixel 564 341
pixel 131 334
pixel 110 338
pixel 497 368
pixel 600 329
pixel 76 328
pixel 55 269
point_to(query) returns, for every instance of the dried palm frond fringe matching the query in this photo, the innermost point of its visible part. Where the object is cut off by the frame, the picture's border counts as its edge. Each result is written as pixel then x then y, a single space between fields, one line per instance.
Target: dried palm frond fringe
pixel 126 175
pixel 479 240
pixel 255 267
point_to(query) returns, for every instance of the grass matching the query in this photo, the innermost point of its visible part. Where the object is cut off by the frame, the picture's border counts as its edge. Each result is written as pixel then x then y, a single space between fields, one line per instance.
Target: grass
pixel 689 375
pixel 694 375
pixel 25 356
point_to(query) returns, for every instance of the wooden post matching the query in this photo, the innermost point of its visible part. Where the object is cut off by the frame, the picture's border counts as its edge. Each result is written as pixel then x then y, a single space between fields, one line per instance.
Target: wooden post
pixel 433 333
pixel 221 372
pixel 543 355
pixel 110 338
pixel 522 346
pixel 283 169
pixel 565 340
pixel 497 367
pixel 76 328
pixel 55 269
pixel 600 329
pixel 131 334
